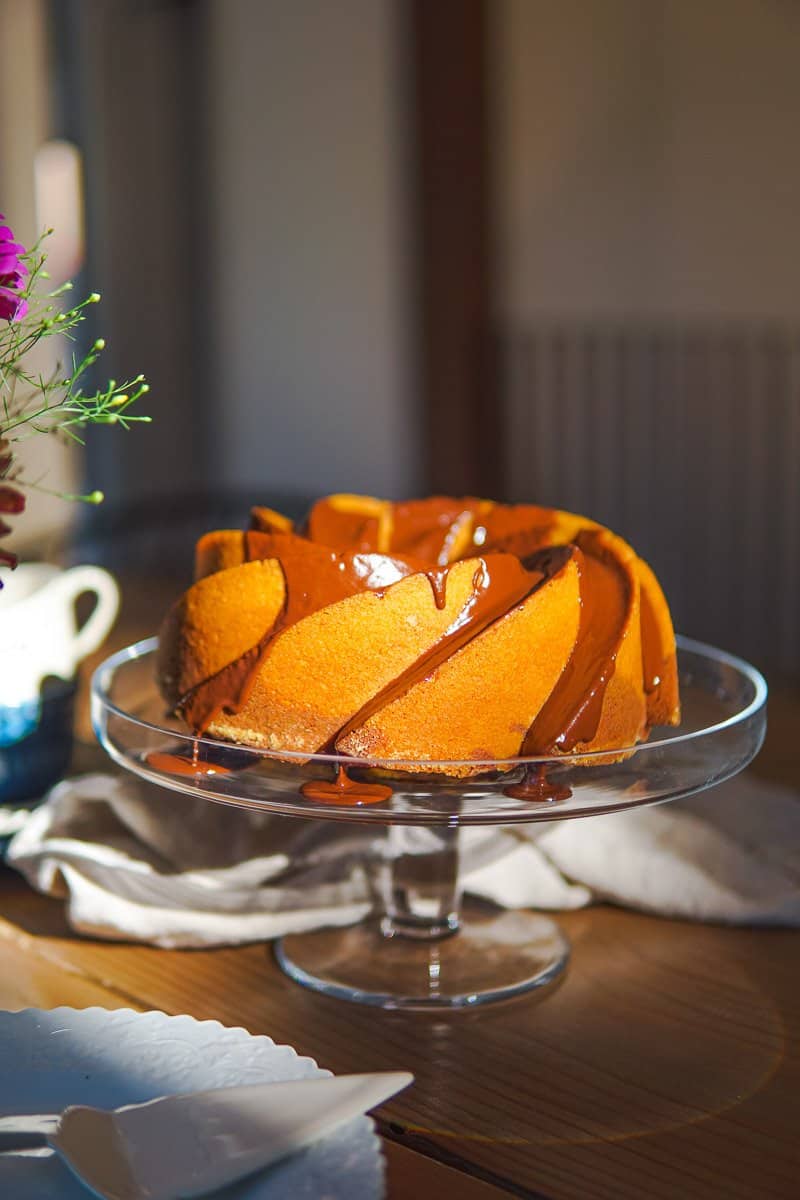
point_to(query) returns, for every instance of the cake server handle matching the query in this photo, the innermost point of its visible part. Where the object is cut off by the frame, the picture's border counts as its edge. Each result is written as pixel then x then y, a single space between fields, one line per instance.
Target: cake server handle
pixel 26 1132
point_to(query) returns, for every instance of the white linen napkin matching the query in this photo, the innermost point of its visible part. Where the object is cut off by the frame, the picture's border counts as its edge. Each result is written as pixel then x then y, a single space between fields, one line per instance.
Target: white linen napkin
pixel 136 862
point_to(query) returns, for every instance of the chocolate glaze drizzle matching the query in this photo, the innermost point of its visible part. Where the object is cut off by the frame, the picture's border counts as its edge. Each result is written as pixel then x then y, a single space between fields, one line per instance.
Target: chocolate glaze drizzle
pixel 313 579
pixel 174 764
pixel 572 712
pixel 438 581
pixel 654 664
pixel 537 788
pixel 353 549
pixel 500 583
pixel 344 790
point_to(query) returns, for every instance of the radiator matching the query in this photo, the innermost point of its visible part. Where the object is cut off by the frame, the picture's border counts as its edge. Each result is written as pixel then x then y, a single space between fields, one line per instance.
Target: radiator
pixel 685 440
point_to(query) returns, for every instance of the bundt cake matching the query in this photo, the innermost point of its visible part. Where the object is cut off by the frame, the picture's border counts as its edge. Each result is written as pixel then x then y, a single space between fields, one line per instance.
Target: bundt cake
pixel 449 630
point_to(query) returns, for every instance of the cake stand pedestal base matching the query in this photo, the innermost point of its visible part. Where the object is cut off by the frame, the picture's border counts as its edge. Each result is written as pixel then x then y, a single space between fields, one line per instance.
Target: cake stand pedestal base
pixel 489 956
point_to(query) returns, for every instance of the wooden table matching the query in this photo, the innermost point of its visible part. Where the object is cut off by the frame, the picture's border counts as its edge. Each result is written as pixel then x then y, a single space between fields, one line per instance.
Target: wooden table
pixel 665 1066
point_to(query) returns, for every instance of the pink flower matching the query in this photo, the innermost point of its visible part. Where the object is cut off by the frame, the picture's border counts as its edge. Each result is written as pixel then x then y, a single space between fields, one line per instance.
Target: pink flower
pixel 12 274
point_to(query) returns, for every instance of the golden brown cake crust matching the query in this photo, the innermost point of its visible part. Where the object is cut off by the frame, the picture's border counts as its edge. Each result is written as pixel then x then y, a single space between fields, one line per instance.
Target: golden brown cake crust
pixel 429 630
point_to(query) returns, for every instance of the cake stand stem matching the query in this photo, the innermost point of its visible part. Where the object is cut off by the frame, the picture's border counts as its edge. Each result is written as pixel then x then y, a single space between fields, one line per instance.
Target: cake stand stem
pixel 418 883
pixel 423 950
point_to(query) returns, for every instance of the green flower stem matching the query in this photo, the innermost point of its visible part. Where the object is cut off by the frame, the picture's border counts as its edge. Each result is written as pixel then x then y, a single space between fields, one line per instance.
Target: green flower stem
pixel 56 404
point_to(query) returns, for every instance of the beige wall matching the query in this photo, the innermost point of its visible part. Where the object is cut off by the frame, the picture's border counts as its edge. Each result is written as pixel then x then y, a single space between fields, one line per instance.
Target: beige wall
pixel 310 203
pixel 24 106
pixel 647 157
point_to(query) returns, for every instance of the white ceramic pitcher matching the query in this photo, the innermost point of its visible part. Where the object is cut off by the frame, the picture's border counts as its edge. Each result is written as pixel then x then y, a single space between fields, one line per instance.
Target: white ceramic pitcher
pixel 39 632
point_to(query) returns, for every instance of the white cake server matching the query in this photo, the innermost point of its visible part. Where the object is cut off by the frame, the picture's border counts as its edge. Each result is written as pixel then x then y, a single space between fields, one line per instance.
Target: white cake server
pixel 188 1145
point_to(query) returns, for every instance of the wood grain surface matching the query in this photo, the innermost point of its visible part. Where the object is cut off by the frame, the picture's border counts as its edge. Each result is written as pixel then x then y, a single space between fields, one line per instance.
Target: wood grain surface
pixel 666 1064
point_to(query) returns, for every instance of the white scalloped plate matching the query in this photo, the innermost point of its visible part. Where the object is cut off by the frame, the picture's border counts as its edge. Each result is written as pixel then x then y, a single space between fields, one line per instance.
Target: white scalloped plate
pixel 52 1058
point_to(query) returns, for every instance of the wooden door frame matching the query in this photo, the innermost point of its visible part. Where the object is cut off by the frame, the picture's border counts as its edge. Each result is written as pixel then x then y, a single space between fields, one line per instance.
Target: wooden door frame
pixel 463 424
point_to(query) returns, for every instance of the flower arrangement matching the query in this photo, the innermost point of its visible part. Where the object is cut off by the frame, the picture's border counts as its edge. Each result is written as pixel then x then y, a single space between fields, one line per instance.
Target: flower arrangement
pixel 31 403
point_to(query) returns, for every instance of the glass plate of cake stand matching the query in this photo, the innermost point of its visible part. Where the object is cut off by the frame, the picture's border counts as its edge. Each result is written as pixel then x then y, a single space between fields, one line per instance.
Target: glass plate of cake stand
pixel 425 949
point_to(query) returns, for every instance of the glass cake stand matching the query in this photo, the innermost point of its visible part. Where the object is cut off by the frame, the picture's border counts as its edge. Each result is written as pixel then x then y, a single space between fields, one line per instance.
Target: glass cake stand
pixel 426 950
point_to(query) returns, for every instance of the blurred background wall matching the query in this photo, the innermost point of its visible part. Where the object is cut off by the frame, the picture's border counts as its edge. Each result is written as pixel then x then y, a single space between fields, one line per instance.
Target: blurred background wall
pixel 25 198
pixel 313 247
pixel 646 186
pixel 646 158
pixel 249 218
pixel 541 249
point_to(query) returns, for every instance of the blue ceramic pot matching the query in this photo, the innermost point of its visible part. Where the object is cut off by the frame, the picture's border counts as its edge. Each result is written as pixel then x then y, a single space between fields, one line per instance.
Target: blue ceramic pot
pixel 36 742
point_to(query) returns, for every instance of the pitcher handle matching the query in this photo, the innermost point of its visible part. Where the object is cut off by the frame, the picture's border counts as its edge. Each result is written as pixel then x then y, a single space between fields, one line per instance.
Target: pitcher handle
pixel 74 583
